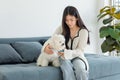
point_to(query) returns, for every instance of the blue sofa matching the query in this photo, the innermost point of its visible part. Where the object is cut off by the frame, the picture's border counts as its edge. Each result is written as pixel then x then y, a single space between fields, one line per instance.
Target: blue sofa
pixel 18 62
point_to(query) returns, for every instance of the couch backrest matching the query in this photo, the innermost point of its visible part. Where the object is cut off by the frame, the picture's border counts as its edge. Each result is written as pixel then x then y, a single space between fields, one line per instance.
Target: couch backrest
pixel 20 50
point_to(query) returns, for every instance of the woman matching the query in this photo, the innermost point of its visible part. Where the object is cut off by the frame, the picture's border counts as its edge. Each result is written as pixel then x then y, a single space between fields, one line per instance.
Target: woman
pixel 76 38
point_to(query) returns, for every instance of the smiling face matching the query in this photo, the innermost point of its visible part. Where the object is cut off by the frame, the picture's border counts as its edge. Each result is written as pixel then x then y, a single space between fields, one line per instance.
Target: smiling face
pixel 70 21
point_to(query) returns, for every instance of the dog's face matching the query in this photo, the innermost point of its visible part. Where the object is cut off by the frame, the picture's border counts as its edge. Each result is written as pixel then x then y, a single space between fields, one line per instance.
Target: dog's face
pixel 58 42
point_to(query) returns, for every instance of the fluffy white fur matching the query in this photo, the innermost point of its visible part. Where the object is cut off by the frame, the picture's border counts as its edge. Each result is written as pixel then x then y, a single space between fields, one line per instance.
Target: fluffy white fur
pixel 57 42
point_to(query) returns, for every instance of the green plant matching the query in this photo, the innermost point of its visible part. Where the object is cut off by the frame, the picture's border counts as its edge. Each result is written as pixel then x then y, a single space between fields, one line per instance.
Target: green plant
pixel 110 30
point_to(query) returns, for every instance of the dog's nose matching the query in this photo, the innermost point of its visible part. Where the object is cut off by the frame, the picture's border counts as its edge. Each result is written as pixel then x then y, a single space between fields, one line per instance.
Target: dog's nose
pixel 62 44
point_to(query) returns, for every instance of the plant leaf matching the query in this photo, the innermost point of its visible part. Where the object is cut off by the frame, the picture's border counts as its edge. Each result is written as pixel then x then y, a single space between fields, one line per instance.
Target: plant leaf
pixel 117 26
pixel 102 16
pixel 106 46
pixel 116 15
pixel 112 10
pixel 110 40
pixel 117 45
pixel 104 32
pixel 114 33
pixel 108 20
pixel 101 10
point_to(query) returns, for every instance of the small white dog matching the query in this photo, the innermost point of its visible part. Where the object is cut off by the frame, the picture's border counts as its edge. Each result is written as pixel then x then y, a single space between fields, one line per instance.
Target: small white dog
pixel 57 42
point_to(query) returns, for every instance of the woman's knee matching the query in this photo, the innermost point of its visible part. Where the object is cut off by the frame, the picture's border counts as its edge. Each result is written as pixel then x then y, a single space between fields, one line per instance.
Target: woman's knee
pixel 80 69
pixel 79 64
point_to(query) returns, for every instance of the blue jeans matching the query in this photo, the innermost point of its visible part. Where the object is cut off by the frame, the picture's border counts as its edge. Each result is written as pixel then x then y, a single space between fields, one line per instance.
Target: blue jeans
pixel 75 70
pixel 80 69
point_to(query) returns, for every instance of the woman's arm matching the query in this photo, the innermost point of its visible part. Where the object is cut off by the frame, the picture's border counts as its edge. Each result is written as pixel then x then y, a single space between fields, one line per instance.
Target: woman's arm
pixel 47 48
pixel 79 51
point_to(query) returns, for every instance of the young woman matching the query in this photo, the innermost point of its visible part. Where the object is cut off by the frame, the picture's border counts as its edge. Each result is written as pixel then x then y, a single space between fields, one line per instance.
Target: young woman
pixel 76 38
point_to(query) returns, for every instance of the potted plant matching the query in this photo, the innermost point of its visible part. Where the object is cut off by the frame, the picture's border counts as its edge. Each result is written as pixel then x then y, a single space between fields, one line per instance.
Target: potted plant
pixel 110 31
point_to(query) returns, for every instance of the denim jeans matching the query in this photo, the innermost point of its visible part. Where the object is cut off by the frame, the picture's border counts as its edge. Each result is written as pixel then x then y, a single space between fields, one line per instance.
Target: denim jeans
pixel 80 69
pixel 75 70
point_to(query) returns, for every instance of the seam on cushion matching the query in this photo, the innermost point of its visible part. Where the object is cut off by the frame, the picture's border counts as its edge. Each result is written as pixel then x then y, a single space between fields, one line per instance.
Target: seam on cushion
pixel 23 60
pixel 17 52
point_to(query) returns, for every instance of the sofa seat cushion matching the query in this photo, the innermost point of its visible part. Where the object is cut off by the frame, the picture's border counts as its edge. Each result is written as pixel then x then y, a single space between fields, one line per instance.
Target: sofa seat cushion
pixel 29 72
pixel 29 51
pixel 102 66
pixel 8 54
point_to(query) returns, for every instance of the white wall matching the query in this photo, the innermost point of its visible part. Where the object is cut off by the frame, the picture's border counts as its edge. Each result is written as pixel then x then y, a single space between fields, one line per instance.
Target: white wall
pixel 34 18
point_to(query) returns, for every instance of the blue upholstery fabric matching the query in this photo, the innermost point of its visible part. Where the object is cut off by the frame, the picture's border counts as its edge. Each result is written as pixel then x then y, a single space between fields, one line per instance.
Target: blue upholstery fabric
pixel 29 72
pixel 29 51
pixel 8 54
pixel 111 77
pixel 103 66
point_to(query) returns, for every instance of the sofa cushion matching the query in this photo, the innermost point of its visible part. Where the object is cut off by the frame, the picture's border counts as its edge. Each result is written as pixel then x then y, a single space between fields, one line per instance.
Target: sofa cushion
pixel 29 51
pixel 102 66
pixel 29 72
pixel 8 54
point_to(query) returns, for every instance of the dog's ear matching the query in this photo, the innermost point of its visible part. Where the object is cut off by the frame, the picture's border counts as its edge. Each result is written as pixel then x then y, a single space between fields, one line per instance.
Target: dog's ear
pixel 54 37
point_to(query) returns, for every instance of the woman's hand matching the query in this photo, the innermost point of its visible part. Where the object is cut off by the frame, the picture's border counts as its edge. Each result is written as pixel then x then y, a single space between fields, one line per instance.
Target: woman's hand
pixel 61 54
pixel 48 49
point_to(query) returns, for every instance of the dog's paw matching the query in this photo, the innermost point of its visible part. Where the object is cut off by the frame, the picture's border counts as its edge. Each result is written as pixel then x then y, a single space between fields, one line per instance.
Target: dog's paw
pixel 39 65
pixel 56 63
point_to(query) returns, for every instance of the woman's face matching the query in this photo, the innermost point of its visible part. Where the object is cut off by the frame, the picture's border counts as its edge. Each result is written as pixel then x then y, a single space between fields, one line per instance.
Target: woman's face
pixel 71 21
